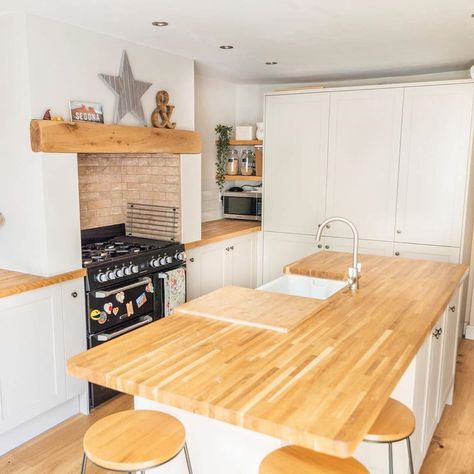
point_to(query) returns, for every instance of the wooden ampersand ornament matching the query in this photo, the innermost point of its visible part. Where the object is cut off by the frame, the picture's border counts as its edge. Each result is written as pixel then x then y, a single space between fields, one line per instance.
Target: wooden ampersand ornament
pixel 161 116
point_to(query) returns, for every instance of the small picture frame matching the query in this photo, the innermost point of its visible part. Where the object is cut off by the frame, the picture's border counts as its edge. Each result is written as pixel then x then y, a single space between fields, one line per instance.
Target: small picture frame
pixel 82 111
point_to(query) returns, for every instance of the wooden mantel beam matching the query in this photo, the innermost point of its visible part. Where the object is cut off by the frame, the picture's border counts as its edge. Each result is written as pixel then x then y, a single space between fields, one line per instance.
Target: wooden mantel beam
pixel 84 137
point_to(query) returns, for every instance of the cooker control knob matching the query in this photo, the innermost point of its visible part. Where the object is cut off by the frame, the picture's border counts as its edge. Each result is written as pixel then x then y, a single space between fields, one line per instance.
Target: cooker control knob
pixel 111 274
pixel 127 270
pixel 169 259
pixel 181 256
pixel 101 277
pixel 119 272
pixel 134 269
pixel 163 261
pixel 155 262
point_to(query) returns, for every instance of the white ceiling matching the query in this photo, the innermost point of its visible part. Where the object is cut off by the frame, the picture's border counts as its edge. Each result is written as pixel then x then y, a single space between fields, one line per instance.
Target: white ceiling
pixel 311 39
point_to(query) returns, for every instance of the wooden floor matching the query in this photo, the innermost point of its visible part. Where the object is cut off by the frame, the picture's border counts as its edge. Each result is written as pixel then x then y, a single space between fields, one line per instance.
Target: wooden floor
pixel 59 450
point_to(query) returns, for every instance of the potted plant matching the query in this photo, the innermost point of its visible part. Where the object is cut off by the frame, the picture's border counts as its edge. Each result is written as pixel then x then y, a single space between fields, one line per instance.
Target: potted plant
pixel 223 149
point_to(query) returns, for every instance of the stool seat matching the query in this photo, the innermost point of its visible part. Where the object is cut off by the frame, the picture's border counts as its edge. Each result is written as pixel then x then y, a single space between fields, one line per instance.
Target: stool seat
pixel 395 422
pixel 134 440
pixel 295 459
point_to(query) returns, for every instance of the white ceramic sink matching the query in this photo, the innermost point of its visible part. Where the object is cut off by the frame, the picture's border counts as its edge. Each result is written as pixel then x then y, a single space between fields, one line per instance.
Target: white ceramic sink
pixel 298 285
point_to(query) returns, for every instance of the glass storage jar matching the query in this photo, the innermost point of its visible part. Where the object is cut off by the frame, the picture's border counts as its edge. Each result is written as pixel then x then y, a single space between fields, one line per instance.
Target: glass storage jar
pixel 247 163
pixel 232 165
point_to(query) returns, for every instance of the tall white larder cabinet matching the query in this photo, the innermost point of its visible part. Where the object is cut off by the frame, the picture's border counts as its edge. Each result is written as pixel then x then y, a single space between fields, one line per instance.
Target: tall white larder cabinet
pixel 393 159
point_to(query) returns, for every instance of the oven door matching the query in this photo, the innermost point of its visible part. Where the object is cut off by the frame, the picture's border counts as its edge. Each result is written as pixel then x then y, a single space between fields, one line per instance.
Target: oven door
pixel 122 303
pixel 97 393
pixel 242 205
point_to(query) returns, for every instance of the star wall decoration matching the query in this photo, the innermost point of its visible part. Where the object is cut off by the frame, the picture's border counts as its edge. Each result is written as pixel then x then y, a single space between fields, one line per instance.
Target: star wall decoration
pixel 128 91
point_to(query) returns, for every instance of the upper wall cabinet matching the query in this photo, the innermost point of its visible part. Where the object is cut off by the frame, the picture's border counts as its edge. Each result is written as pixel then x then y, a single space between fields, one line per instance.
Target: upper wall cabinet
pixel 433 164
pixel 296 139
pixel 364 146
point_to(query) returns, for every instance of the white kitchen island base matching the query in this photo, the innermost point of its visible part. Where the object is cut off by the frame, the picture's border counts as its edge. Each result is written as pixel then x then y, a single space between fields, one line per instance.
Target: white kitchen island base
pixel 215 447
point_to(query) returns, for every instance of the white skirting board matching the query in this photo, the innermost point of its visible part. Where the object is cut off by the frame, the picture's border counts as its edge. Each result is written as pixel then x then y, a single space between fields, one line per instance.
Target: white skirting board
pixel 470 332
pixel 26 431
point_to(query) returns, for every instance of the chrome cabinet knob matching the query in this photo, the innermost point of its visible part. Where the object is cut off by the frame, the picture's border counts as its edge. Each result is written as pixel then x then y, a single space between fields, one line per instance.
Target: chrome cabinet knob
pixel 452 308
pixel 397 254
pixel 74 294
pixel 326 247
pixel 320 246
pixel 399 231
pixel 191 259
pixel 328 226
pixel 232 247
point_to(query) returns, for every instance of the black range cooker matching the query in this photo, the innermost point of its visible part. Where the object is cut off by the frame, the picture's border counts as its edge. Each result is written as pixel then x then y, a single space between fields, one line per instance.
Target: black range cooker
pixel 130 282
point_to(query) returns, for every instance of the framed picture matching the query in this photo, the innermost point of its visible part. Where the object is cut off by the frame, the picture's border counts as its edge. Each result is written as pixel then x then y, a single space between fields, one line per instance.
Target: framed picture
pixel 82 111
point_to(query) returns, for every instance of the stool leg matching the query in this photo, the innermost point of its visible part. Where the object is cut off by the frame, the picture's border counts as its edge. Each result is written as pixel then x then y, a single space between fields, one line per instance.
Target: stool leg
pixel 84 463
pixel 390 458
pixel 188 459
pixel 410 457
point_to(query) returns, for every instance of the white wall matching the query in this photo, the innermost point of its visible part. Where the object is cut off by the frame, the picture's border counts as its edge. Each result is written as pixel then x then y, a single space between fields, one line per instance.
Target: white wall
pixel 44 65
pixel 215 103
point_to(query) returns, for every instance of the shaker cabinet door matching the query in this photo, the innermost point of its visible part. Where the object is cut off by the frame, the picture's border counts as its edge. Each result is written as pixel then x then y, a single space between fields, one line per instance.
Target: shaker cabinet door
pixel 241 261
pixel 32 362
pixel 364 148
pixel 433 164
pixel 296 139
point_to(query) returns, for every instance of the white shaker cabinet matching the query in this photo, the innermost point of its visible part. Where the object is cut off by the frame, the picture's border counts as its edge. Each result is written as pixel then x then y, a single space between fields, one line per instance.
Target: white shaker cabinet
pixel 434 379
pixel 228 262
pixel 370 247
pixel 41 329
pixel 364 146
pixel 281 249
pixel 427 252
pixel 296 139
pixel 433 164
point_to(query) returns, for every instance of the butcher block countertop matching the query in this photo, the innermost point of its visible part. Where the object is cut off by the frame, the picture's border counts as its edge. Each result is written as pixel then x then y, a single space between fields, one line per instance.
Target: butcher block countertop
pixel 12 283
pixel 223 229
pixel 321 385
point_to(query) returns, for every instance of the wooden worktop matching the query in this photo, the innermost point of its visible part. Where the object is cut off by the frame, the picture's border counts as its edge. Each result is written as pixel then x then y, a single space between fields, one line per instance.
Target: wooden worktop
pixel 321 386
pixel 223 229
pixel 12 283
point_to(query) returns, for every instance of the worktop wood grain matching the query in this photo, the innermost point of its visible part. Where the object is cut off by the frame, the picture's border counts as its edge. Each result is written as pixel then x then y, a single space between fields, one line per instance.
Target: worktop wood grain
pixel 261 309
pixel 320 386
pixel 12 283
pixel 223 229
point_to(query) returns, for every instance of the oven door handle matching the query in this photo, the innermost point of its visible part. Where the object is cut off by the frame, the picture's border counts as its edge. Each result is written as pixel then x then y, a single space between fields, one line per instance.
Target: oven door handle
pixel 108 336
pixel 106 294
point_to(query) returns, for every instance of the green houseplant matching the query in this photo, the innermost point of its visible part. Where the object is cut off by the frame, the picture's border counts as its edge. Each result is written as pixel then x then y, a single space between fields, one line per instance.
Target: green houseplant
pixel 223 149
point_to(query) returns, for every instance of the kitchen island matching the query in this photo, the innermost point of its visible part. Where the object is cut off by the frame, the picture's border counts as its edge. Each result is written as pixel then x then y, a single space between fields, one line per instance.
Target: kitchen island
pixel 320 386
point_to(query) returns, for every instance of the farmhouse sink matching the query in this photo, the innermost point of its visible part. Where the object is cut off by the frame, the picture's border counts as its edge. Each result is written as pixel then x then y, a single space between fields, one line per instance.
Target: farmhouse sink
pixel 298 285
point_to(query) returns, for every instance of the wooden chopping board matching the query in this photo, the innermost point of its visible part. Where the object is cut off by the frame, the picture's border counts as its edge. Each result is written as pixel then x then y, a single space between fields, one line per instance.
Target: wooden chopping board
pixel 261 309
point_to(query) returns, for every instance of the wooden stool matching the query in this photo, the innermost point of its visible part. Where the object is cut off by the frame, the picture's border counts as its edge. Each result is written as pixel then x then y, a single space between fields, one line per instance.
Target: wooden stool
pixel 295 459
pixel 395 423
pixel 134 440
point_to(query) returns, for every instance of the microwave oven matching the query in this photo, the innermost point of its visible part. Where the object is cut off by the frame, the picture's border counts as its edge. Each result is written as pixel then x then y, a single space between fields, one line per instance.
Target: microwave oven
pixel 243 205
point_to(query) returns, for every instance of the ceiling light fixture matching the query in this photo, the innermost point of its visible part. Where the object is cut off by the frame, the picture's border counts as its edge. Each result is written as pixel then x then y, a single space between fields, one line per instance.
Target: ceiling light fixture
pixel 226 47
pixel 160 23
pixel 271 63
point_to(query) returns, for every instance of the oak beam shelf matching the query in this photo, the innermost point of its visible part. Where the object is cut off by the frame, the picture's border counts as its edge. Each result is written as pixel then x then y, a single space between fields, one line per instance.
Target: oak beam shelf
pixel 84 137
pixel 246 142
pixel 239 177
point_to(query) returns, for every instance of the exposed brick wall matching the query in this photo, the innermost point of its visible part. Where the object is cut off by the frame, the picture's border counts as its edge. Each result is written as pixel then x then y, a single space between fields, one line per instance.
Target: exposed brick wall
pixel 108 182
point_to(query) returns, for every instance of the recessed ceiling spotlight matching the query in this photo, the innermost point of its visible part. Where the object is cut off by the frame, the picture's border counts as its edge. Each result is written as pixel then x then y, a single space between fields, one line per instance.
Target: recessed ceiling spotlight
pixel 160 23
pixel 271 63
pixel 228 46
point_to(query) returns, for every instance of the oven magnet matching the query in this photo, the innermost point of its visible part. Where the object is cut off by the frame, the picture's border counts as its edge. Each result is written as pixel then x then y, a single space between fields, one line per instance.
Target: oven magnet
pixel 120 297
pixel 108 307
pixel 149 288
pixel 102 318
pixel 141 300
pixel 95 314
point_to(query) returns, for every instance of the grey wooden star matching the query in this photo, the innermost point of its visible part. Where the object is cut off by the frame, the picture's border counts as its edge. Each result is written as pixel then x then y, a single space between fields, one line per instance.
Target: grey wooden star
pixel 128 91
